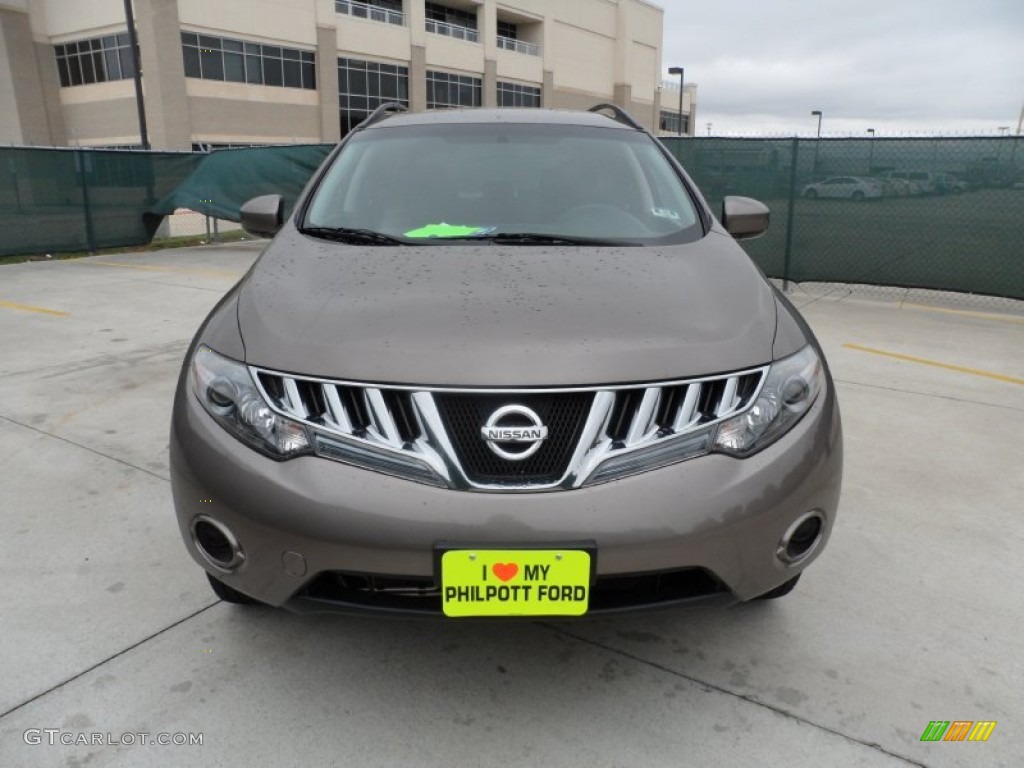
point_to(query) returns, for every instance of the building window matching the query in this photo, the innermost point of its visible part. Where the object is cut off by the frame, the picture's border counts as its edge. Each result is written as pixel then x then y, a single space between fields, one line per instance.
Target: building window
pixel 95 61
pixel 668 121
pixel 515 95
pixel 365 85
pixel 389 11
pixel 237 61
pixel 446 90
pixel 451 22
pixel 508 29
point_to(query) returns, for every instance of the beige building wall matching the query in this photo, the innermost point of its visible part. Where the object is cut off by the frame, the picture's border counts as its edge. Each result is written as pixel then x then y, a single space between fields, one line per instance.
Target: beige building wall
pixel 371 39
pixel 283 21
pixel 590 51
pixel 62 20
pixel 10 114
pixel 29 113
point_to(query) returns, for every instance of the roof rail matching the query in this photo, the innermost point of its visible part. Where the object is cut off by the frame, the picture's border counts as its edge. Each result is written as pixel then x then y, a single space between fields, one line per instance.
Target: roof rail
pixel 621 115
pixel 380 113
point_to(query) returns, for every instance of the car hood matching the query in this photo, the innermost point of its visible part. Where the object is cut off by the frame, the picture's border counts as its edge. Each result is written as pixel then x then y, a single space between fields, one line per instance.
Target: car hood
pixel 505 316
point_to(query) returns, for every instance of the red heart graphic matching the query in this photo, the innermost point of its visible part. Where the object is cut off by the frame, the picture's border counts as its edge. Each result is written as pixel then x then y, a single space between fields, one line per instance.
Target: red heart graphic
pixel 505 571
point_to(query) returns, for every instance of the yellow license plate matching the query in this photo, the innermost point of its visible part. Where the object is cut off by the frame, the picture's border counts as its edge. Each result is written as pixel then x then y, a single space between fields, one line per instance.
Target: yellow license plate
pixel 515 582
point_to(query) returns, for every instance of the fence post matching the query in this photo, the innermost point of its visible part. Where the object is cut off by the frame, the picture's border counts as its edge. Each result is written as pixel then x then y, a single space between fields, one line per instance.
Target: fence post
pixel 14 183
pixel 90 235
pixel 787 257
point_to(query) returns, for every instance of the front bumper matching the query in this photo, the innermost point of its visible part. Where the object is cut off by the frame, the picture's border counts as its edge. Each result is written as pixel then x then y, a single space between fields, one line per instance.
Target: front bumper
pixel 301 521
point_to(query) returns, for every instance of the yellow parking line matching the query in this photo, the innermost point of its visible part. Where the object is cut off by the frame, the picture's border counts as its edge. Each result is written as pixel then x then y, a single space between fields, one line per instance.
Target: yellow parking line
pixel 177 270
pixel 937 364
pixel 30 308
pixel 967 313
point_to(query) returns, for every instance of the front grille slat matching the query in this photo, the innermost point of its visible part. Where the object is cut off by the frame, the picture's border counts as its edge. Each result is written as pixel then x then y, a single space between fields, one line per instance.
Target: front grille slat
pixel 687 415
pixel 643 419
pixel 336 415
pixel 728 402
pixel 382 420
pixel 626 403
pixel 292 402
pixel 400 405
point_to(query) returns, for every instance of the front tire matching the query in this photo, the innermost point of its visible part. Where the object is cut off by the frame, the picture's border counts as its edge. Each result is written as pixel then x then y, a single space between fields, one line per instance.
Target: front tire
pixel 858 196
pixel 810 194
pixel 780 591
pixel 230 594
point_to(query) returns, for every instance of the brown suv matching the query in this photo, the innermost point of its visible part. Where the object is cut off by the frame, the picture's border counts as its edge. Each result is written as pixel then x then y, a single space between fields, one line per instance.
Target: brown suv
pixel 503 363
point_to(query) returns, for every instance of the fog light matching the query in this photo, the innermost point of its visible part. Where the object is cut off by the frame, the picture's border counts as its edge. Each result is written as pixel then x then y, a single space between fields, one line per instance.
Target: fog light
pixel 216 543
pixel 801 538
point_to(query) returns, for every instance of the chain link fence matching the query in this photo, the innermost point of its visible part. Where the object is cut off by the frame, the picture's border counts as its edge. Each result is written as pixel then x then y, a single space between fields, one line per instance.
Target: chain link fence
pixel 83 199
pixel 65 200
pixel 937 213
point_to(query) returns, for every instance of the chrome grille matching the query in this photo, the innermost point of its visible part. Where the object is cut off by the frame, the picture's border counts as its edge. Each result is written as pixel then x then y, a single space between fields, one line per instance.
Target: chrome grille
pixel 433 435
pixel 382 416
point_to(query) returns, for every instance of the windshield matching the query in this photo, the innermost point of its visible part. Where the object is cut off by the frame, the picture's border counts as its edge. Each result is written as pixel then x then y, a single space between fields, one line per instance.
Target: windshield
pixel 423 183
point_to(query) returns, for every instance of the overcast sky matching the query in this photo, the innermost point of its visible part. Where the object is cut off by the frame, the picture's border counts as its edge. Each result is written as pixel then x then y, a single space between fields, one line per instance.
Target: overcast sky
pixel 899 66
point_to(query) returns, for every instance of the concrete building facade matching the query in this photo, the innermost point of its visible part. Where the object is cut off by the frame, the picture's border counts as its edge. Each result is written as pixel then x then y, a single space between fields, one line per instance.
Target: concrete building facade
pixel 283 71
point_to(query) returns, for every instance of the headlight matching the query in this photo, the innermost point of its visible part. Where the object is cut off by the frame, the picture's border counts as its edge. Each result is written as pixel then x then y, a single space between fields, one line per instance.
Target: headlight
pixel 789 391
pixel 227 392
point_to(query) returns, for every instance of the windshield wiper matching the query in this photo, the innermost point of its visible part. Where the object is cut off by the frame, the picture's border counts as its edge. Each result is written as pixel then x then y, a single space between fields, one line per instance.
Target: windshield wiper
pixel 351 236
pixel 540 238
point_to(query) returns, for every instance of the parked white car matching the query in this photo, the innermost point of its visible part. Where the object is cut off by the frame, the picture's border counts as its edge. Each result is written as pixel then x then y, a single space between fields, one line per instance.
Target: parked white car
pixel 948 184
pixel 922 182
pixel 846 187
pixel 898 187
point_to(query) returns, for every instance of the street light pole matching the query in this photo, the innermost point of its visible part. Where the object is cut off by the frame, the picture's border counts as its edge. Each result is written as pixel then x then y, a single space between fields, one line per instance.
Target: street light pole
pixel 817 113
pixel 140 103
pixel 1013 151
pixel 871 151
pixel 679 71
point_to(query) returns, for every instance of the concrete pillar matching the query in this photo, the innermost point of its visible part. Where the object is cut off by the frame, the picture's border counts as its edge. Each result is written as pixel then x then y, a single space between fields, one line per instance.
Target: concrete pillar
pixel 691 94
pixel 487 24
pixel 28 85
pixel 623 97
pixel 418 79
pixel 50 85
pixel 490 84
pixel 623 65
pixel 547 94
pixel 327 83
pixel 416 15
pixel 163 74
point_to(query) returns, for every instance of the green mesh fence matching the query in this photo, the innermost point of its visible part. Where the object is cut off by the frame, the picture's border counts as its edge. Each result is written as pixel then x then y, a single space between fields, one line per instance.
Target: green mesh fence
pixel 75 200
pixel 228 177
pixel 85 199
pixel 939 213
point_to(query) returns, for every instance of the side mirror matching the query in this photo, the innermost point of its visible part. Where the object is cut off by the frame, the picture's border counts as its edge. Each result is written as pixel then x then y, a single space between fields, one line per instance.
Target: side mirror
pixel 263 216
pixel 744 217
